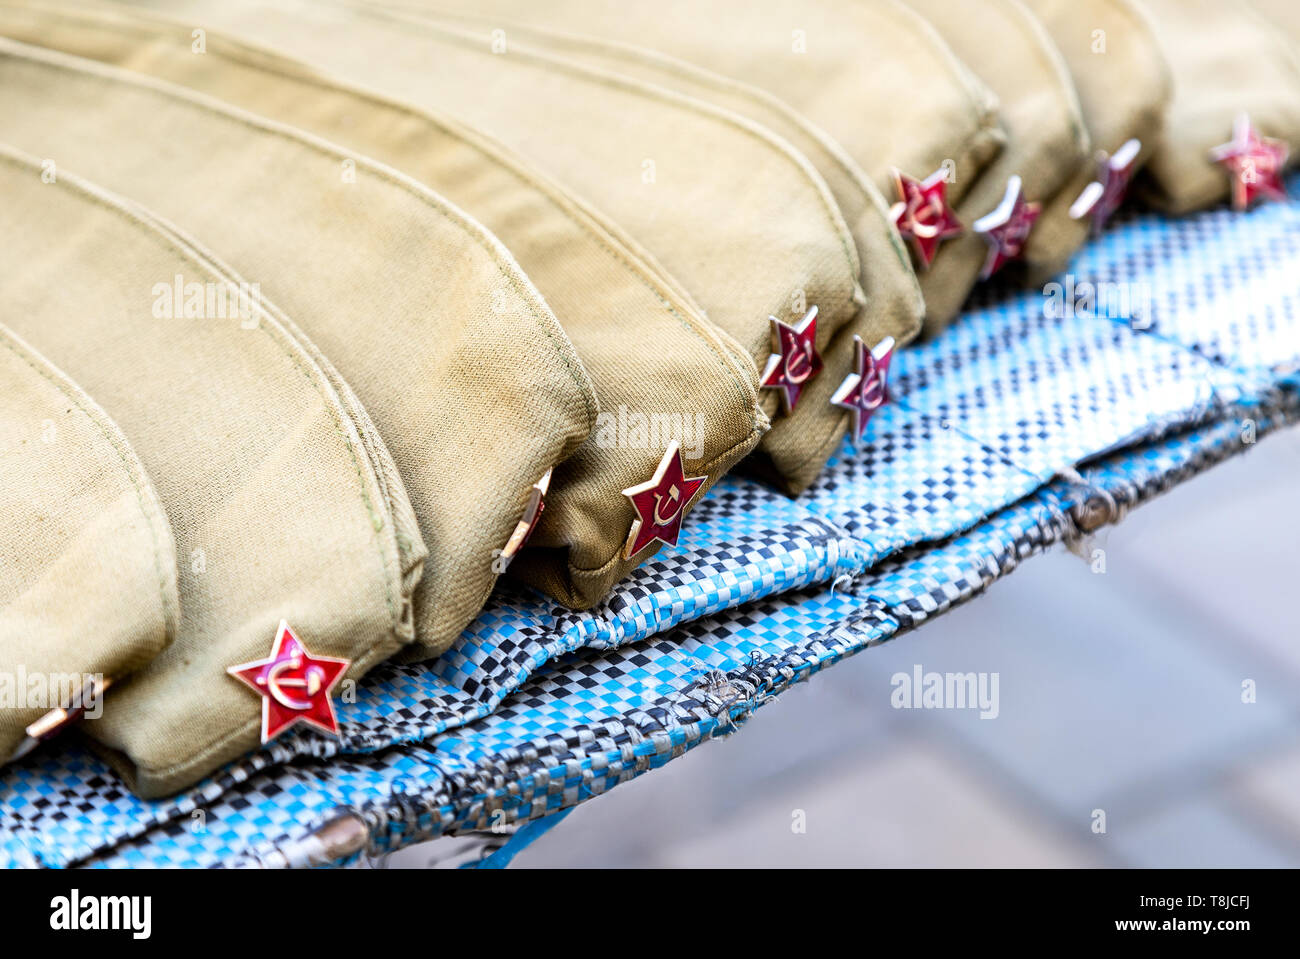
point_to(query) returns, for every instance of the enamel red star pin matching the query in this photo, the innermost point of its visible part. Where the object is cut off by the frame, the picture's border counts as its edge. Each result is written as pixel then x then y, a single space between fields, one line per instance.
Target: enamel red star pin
pixel 922 213
pixel 1102 197
pixel 794 360
pixel 1255 164
pixel 294 685
pixel 661 502
pixel 1006 228
pixel 865 390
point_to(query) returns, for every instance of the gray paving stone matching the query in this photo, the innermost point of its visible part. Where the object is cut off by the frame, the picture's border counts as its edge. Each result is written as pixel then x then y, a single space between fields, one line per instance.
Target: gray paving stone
pixel 1269 790
pixel 914 807
pixel 1199 833
pixel 1229 539
pixel 1101 688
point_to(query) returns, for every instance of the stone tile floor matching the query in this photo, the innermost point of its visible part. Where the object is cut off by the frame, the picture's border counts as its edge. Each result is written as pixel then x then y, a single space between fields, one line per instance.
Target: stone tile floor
pixel 1118 691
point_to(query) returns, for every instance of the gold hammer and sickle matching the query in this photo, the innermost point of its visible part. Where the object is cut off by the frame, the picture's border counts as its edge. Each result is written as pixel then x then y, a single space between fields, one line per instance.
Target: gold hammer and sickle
pixel 873 391
pixel 801 359
pixel 918 203
pixel 674 494
pixel 274 684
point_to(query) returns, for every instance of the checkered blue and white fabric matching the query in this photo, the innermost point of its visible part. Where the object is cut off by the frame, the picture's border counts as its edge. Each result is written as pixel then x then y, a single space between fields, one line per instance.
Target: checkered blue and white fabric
pixel 1170 345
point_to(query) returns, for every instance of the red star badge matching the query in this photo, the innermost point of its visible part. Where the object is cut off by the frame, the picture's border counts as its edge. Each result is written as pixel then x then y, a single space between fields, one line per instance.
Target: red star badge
pixel 794 360
pixel 1006 228
pixel 294 685
pixel 864 391
pixel 923 214
pixel 1255 164
pixel 1103 196
pixel 661 502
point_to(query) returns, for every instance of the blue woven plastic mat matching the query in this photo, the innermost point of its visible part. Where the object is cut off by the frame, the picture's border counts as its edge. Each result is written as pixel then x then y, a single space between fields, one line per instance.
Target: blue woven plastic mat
pixel 1032 408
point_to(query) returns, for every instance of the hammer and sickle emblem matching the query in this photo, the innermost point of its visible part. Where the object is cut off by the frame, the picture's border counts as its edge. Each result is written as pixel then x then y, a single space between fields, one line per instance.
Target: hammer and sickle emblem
pixel 275 685
pixel 799 361
pixel 675 495
pixel 873 383
pixel 918 204
pixel 873 391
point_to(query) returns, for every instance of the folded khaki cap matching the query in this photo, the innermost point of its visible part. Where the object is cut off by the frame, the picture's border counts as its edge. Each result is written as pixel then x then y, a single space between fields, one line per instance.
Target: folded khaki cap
pixel 871 73
pixel 733 212
pixel 88 577
pixel 1236 86
pixel 1047 140
pixel 662 365
pixel 467 374
pixel 1123 85
pixel 279 513
pixel 893 306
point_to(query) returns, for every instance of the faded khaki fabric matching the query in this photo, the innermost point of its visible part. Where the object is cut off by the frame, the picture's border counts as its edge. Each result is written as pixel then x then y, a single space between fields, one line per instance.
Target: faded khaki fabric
pixel 470 380
pixel 1226 60
pixel 1047 140
pixel 735 214
pixel 1123 85
pixel 277 510
pixel 663 361
pixel 871 73
pixel 87 560
pixel 1284 15
pixel 894 306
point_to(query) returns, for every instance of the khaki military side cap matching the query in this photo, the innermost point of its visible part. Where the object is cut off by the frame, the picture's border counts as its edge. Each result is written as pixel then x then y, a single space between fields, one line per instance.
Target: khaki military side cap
pixel 871 73
pixel 893 306
pixel 239 428
pixel 1123 85
pixel 1047 139
pixel 88 578
pixel 1233 112
pixel 662 372
pixel 738 216
pixel 471 381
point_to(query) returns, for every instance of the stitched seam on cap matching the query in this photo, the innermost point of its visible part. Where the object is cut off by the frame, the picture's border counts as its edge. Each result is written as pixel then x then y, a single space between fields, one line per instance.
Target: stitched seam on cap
pixel 646 90
pixel 245 56
pixel 239 117
pixel 133 468
pixel 145 229
pixel 690 325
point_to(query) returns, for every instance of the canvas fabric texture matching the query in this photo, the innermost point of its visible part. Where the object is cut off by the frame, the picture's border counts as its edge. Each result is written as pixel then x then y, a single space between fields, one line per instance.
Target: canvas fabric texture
pixel 237 426
pixel 1285 16
pixel 871 73
pixel 894 306
pixel 1213 83
pixel 87 559
pixel 687 181
pixel 1123 84
pixel 657 364
pixel 471 381
pixel 1047 139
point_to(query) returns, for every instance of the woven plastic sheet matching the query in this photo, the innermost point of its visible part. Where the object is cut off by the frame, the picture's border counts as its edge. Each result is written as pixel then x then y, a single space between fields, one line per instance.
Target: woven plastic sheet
pixel 969 470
